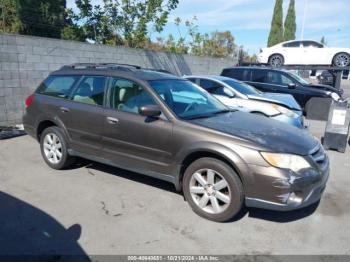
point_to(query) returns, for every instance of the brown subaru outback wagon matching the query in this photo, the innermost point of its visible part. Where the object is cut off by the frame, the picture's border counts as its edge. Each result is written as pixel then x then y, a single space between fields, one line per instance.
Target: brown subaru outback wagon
pixel 166 127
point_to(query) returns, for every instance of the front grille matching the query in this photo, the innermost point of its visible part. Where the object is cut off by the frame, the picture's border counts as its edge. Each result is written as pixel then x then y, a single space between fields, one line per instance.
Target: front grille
pixel 319 156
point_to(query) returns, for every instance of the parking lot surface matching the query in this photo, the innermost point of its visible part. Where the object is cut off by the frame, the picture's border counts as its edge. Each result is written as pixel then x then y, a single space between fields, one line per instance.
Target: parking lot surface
pixel 97 209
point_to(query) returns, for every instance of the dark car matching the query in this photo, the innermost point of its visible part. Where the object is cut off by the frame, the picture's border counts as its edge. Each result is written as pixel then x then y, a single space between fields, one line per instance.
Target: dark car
pixel 282 81
pixel 167 127
pixel 325 78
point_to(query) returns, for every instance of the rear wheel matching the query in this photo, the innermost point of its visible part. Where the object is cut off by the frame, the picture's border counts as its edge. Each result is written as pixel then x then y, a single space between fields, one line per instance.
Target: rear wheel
pixel 213 189
pixel 276 60
pixel 54 148
pixel 341 60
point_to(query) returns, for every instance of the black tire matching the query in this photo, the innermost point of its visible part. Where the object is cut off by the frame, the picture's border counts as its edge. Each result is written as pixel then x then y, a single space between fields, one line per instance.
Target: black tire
pixel 234 185
pixel 66 160
pixel 276 60
pixel 341 60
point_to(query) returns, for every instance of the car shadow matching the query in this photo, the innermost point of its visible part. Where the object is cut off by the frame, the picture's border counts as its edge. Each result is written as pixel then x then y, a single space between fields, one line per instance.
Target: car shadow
pixel 29 233
pixel 275 216
pixel 137 177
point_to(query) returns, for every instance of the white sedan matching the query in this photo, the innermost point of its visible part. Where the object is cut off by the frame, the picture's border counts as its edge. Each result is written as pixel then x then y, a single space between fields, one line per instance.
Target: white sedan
pixel 305 52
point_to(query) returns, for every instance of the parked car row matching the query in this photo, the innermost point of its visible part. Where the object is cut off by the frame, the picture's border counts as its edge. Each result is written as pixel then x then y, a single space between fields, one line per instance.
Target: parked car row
pixel 169 128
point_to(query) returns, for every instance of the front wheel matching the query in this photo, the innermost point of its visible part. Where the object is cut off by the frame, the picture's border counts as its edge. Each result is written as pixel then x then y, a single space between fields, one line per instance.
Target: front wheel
pixel 341 60
pixel 213 189
pixel 276 61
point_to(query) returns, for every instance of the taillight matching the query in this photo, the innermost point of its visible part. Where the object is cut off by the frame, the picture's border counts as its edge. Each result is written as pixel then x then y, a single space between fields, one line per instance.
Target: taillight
pixel 29 100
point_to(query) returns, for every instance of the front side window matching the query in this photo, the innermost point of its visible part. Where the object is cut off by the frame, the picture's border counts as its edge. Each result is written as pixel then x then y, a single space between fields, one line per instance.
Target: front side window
pixel 58 86
pixel 312 44
pixel 90 90
pixel 277 78
pixel 185 99
pixel 259 76
pixel 273 78
pixel 128 96
pixel 242 88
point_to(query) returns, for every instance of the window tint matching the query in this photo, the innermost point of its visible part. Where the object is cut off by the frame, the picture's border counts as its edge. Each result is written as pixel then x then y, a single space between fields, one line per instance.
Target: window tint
pixel 193 80
pixel 259 76
pixel 57 85
pixel 90 90
pixel 278 78
pixel 312 44
pixel 212 87
pixel 208 84
pixel 237 73
pixel 233 73
pixel 292 44
pixel 128 96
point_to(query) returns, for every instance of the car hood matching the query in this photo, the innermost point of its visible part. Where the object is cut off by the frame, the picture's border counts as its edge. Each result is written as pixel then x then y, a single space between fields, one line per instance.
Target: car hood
pixel 327 88
pixel 269 134
pixel 281 99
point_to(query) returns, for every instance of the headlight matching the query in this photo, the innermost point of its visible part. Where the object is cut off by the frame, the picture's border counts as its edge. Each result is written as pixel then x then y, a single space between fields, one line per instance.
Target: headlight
pixel 288 161
pixel 285 111
pixel 335 96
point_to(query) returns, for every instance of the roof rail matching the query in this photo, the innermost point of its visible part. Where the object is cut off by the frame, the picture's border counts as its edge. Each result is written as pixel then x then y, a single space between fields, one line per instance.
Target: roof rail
pixel 100 66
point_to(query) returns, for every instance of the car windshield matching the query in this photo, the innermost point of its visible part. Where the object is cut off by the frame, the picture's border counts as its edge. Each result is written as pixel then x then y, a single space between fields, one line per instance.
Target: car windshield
pixel 242 88
pixel 298 78
pixel 187 100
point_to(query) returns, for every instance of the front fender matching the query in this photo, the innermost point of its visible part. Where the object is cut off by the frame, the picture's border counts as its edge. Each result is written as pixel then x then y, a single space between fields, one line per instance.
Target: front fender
pixel 213 149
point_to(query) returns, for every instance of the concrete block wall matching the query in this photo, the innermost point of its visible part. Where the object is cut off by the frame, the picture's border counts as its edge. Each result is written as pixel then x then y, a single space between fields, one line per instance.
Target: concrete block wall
pixel 26 60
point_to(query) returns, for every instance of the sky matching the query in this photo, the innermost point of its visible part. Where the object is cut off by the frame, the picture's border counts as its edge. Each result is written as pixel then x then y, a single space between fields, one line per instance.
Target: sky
pixel 250 20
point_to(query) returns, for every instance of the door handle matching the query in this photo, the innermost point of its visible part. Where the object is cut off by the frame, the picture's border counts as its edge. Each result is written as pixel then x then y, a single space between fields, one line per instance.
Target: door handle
pixel 112 120
pixel 64 109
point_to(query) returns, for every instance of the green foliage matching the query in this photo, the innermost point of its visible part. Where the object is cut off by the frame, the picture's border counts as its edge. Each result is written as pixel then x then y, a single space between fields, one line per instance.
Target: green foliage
pixel 217 44
pixel 290 24
pixel 9 21
pixel 123 21
pixel 42 17
pixel 115 22
pixel 276 32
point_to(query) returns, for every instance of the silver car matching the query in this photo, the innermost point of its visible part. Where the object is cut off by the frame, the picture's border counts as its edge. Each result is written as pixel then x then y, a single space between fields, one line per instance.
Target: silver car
pixel 243 97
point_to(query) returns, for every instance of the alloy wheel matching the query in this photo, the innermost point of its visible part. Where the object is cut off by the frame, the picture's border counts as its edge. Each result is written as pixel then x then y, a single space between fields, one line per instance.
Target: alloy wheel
pixel 210 191
pixel 342 60
pixel 52 148
pixel 276 61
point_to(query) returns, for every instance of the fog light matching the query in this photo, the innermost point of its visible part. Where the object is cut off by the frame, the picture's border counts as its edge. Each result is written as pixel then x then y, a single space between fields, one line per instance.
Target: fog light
pixel 294 200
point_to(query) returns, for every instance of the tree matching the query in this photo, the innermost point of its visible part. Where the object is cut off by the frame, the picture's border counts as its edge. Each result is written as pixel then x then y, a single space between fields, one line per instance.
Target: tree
pixel 133 18
pixel 290 24
pixel 323 40
pixel 9 21
pixel 71 30
pixel 276 32
pixel 42 17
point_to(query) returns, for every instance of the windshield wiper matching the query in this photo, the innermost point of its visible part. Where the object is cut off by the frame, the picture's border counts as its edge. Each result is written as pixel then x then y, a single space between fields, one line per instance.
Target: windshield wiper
pixel 197 116
pixel 224 111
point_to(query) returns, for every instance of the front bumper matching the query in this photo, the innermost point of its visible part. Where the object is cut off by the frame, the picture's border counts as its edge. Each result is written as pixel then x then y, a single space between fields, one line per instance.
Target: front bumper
pixel 283 190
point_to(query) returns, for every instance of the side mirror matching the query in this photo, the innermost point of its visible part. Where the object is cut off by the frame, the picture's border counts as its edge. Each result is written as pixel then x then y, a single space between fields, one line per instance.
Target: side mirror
pixel 228 92
pixel 292 86
pixel 150 110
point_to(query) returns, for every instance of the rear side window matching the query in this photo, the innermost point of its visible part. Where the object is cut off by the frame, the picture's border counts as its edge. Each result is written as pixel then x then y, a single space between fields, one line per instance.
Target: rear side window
pixel 292 44
pixel 233 73
pixel 259 76
pixel 58 86
pixel 90 90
